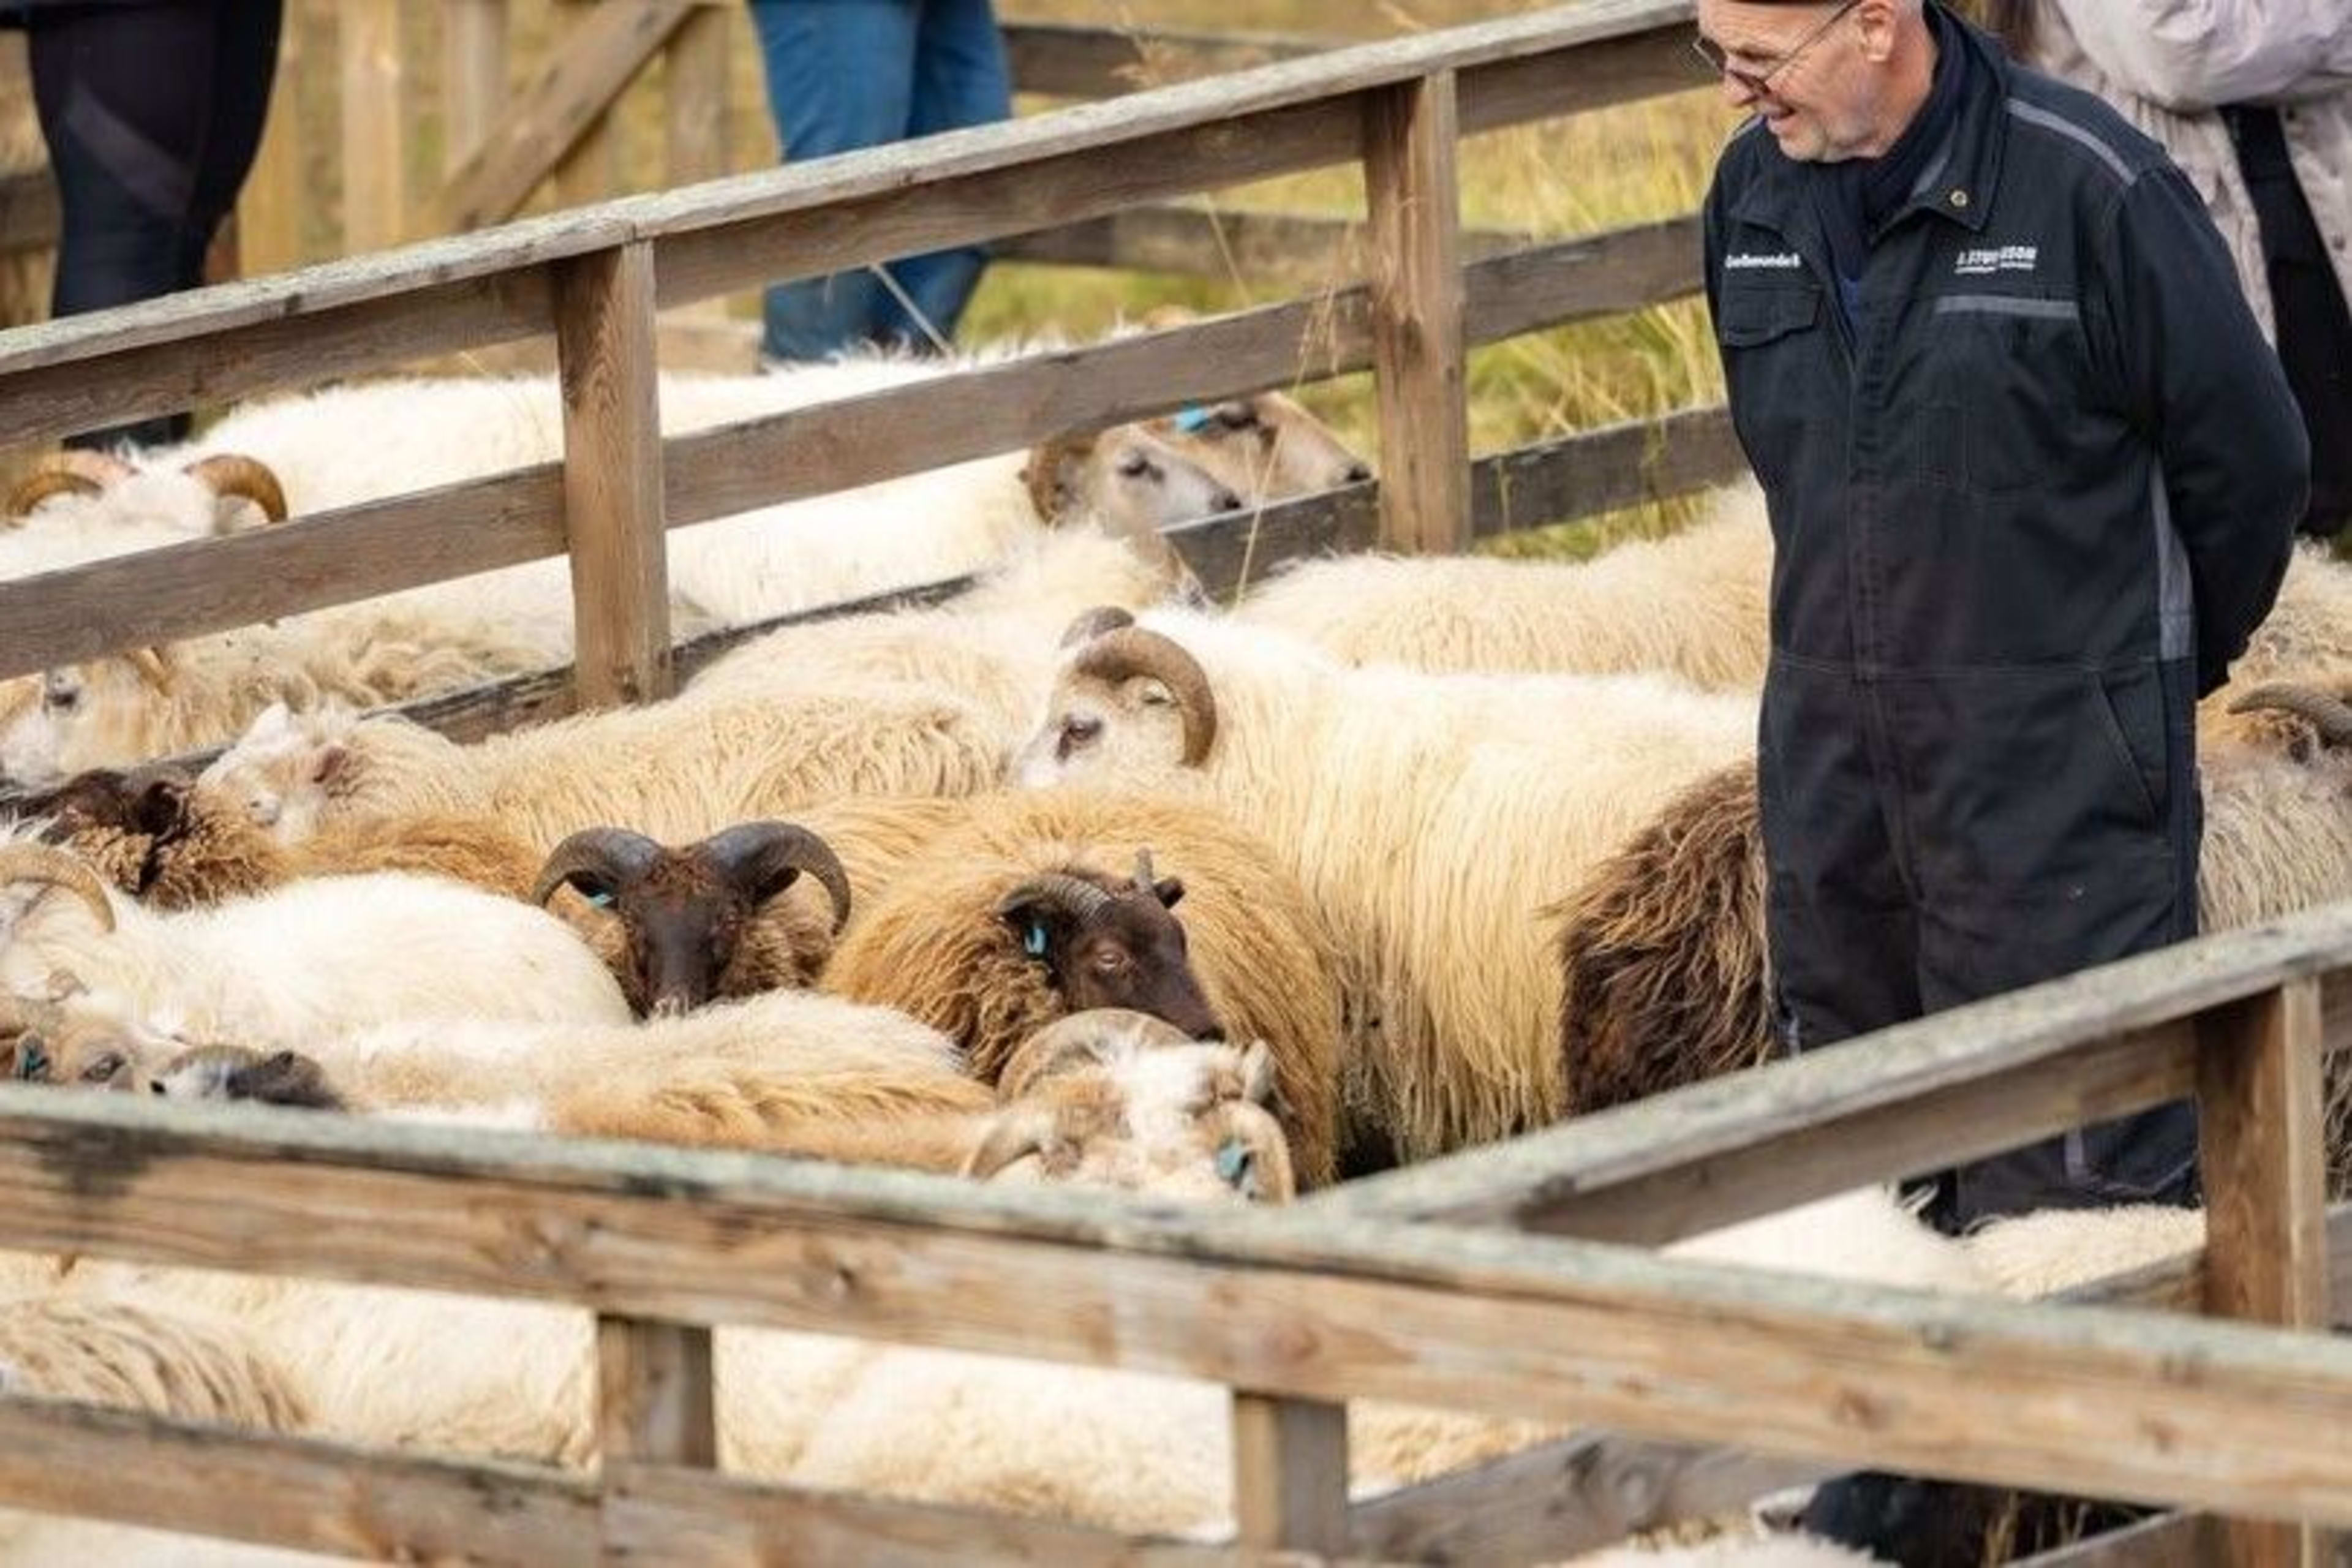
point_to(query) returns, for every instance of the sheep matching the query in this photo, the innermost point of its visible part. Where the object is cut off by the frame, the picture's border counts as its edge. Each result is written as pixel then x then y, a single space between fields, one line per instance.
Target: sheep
pixel 1264 447
pixel 1693 603
pixel 1662 953
pixel 286 968
pixel 988 934
pixel 674 770
pixel 1428 816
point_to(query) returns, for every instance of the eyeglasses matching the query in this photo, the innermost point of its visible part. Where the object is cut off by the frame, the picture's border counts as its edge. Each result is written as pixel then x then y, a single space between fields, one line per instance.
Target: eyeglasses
pixel 1760 84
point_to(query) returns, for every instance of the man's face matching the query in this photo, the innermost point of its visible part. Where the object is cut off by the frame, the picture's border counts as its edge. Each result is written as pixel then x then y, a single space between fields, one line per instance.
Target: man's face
pixel 1800 68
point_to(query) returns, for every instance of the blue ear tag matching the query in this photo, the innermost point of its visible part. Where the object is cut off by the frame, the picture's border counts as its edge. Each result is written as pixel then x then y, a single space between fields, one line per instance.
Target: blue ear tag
pixel 1232 1159
pixel 599 900
pixel 1191 420
pixel 1033 943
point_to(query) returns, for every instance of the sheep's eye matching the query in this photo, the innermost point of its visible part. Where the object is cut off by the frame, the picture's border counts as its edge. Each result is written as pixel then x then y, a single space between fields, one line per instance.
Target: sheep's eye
pixel 102 1067
pixel 1136 465
pixel 1110 961
pixel 1078 731
pixel 61 699
pixel 1238 416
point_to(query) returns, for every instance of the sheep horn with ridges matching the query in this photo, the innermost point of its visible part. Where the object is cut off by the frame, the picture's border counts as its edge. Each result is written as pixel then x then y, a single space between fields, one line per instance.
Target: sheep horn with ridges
pixel 1146 881
pixel 70 472
pixel 1092 624
pixel 612 851
pixel 2330 714
pixel 1134 651
pixel 249 478
pixel 1081 898
pixel 47 863
pixel 754 853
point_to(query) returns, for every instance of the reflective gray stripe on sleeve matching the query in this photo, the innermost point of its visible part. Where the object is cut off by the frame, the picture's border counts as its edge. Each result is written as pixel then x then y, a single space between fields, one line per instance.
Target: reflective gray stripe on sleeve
pixel 2006 305
pixel 2073 132
pixel 2176 597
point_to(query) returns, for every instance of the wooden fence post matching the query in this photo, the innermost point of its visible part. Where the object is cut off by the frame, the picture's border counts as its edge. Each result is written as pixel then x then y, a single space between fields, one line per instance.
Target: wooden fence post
pixel 2259 1131
pixel 696 122
pixel 1410 131
pixel 655 1402
pixel 473 77
pixel 1290 1474
pixel 613 475
pixel 375 126
pixel 272 203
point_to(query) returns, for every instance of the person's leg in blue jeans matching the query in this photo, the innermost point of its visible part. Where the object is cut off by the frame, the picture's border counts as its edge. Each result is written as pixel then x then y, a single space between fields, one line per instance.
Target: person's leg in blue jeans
pixel 960 79
pixel 841 76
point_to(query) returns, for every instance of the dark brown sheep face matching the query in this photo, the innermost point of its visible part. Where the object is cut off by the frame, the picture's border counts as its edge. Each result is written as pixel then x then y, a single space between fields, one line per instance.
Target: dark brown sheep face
pixel 685 921
pixel 1115 946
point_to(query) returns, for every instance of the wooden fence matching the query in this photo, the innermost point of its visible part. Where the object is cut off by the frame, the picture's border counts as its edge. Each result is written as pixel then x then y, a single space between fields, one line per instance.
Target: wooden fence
pixel 1494 1281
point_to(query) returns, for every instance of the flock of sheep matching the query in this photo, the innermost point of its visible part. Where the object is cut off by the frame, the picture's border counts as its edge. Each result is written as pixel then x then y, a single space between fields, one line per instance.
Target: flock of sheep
pixel 1072 879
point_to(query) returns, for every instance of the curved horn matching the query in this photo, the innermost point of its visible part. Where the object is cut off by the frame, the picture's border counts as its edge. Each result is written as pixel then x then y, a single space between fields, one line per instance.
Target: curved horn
pixel 1013 1135
pixel 74 472
pixel 1136 651
pixel 1092 624
pixel 612 851
pixel 2329 714
pixel 47 863
pixel 1083 900
pixel 1144 879
pixel 1081 1040
pixel 229 474
pixel 762 858
pixel 1046 474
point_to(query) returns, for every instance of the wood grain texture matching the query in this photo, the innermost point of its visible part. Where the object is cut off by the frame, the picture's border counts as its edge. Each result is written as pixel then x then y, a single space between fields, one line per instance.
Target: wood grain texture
pixel 28 210
pixel 274 202
pixel 375 124
pixel 474 55
pixel 1061 60
pixel 1206 242
pixel 655 1399
pixel 1290 1474
pixel 612 476
pixel 695 100
pixel 600 54
pixel 2260 1132
pixel 1410 132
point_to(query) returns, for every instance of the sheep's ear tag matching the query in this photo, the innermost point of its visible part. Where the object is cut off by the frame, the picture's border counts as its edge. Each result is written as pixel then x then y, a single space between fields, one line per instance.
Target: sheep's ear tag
pixel 602 899
pixel 1231 1156
pixel 1033 941
pixel 1190 421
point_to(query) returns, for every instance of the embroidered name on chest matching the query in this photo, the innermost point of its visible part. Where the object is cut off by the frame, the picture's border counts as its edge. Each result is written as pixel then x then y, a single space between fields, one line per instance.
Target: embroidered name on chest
pixel 1746 260
pixel 1984 261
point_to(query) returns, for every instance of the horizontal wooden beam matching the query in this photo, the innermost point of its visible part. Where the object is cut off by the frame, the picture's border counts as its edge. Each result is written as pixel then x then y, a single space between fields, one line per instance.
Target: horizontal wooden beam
pixel 828 214
pixel 1200 242
pixel 1061 60
pixel 1960 1084
pixel 406 542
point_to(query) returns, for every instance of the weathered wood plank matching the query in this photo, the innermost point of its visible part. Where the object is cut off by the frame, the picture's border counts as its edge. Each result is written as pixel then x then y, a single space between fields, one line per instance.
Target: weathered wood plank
pixel 2261 1123
pixel 1203 242
pixel 273 205
pixel 1290 1474
pixel 138 1469
pixel 1797 1129
pixel 695 101
pixel 2168 1540
pixel 28 210
pixel 474 36
pixel 612 476
pixel 1594 275
pixel 1061 60
pixel 655 1399
pixel 599 57
pixel 375 124
pixel 664 1514
pixel 1410 132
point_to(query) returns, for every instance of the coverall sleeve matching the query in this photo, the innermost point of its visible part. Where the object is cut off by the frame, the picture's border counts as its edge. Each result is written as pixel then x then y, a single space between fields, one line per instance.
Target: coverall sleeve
pixel 2195 55
pixel 2198 377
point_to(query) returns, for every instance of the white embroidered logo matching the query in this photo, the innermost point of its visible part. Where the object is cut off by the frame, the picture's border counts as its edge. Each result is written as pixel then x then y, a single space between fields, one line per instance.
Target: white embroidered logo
pixel 1987 261
pixel 1740 260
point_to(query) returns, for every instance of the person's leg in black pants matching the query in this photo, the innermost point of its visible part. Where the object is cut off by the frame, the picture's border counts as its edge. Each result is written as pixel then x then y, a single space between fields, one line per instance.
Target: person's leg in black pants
pixel 153 113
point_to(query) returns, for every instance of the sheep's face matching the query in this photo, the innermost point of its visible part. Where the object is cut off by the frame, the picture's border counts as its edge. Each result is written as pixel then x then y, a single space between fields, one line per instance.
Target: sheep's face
pixel 1264 448
pixel 1132 481
pixel 1130 731
pixel 78 1043
pixel 283 771
pixel 102 713
pixel 1187 1121
pixel 1112 944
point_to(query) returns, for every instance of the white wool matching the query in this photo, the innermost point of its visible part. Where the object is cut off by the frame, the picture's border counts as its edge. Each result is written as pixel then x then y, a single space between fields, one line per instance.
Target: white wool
pixel 2042 1253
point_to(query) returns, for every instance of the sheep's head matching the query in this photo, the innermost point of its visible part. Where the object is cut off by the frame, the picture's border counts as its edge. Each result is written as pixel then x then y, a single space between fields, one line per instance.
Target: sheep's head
pixel 234 1072
pixel 78 1041
pixel 1115 1098
pixel 123 823
pixel 1131 704
pixel 684 913
pixel 1264 448
pixel 285 769
pixel 2297 718
pixel 1110 945
pixel 1134 481
pixel 220 494
pixel 32 879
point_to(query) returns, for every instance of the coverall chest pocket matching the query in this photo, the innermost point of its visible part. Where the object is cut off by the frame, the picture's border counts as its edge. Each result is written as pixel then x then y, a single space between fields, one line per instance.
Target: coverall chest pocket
pixel 1772 339
pixel 2013 368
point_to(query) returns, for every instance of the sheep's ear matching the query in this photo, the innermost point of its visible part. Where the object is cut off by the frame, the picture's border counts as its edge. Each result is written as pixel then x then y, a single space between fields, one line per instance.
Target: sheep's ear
pixel 161 808
pixel 1168 890
pixel 331 764
pixel 1258 1081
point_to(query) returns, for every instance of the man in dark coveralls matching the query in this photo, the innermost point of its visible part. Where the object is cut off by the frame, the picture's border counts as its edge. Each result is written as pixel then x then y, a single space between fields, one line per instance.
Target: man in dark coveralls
pixel 2033 477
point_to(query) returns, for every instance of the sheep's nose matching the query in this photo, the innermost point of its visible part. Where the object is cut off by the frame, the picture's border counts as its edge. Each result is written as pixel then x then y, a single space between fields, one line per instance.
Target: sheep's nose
pixel 1225 500
pixel 1356 473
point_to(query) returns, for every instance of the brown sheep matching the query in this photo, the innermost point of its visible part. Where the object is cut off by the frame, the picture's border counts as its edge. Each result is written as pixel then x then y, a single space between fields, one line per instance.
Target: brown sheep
pixel 940 944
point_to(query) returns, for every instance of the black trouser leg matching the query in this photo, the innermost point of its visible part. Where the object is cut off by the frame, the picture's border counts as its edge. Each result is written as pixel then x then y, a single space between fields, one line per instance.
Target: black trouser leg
pixel 152 114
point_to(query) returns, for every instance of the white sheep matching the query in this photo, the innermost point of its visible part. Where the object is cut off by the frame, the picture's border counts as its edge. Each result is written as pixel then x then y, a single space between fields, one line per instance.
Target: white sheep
pixel 286 968
pixel 1428 816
